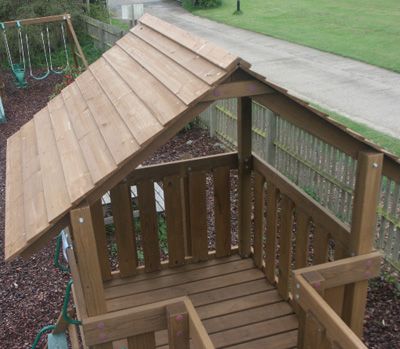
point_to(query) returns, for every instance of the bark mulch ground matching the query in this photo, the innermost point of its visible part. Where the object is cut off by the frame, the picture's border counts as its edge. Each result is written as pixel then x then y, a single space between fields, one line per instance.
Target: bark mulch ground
pixel 32 290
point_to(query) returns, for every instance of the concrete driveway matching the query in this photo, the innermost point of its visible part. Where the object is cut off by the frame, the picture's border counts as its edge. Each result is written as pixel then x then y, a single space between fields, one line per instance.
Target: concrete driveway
pixel 363 92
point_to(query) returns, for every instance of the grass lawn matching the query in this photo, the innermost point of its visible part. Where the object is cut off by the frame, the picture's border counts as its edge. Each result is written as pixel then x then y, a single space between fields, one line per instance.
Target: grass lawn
pixel 367 30
pixel 386 141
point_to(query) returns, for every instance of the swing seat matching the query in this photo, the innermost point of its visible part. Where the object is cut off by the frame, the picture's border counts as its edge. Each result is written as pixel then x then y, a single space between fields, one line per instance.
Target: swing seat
pixel 19 74
pixel 57 341
pixel 2 113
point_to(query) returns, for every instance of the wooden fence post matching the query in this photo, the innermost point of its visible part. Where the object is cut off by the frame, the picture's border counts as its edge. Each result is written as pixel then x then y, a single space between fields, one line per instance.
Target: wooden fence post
pixel 244 133
pixel 178 326
pixel 84 238
pixel 366 195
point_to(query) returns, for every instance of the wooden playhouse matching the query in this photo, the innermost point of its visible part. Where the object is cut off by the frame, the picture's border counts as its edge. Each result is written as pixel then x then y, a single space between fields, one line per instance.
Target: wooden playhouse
pixel 263 293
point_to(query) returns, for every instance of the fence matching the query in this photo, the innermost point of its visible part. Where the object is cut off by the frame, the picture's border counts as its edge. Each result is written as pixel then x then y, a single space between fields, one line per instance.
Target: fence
pixel 324 172
pixel 104 35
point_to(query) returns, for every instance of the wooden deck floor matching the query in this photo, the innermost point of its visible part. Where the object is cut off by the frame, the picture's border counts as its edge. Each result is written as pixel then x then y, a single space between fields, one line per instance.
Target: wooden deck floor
pixel 238 307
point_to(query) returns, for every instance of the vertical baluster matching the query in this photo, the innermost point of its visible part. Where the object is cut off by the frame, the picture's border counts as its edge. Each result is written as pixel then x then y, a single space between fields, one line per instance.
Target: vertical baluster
pixel 175 222
pixel 149 225
pixel 124 228
pixel 285 239
pixel 272 222
pixel 222 208
pixel 259 226
pixel 302 237
pixel 198 215
pixel 320 245
pixel 101 239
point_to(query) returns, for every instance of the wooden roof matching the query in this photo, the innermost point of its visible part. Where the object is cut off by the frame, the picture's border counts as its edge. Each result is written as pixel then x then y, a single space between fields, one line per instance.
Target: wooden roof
pixel 105 119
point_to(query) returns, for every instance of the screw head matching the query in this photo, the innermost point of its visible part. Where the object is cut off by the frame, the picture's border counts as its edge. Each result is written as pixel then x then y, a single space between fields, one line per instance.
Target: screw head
pixel 81 220
pixel 375 165
pixel 297 296
pixel 297 285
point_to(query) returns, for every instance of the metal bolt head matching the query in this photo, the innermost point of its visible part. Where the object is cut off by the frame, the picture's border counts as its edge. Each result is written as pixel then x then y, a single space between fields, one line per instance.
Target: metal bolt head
pixel 297 296
pixel 81 220
pixel 297 285
pixel 375 165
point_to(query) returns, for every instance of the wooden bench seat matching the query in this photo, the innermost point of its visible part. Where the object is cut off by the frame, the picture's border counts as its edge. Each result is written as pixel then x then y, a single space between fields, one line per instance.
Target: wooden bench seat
pixel 238 307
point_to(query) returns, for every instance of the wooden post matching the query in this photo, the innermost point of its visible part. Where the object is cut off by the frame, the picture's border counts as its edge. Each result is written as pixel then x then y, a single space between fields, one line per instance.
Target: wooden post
pixel 84 238
pixel 366 195
pixel 244 123
pixel 178 326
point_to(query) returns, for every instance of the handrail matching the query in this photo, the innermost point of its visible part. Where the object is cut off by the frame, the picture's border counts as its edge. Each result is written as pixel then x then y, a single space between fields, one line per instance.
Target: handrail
pixel 181 167
pixel 319 319
pixel 321 215
pixel 144 319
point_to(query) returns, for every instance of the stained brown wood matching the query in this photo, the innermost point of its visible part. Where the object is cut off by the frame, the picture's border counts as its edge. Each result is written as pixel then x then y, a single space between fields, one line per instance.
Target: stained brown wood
pixel 199 66
pixel 178 326
pixel 201 47
pixel 272 223
pixel 96 211
pixel 124 229
pixel 285 240
pixel 88 260
pixel 222 211
pixel 320 245
pixel 320 215
pixel 326 129
pixel 244 132
pixel 183 167
pixel 34 202
pixel 136 115
pixel 198 215
pixel 54 189
pixel 149 225
pixel 302 237
pixel 175 223
pixel 142 341
pixel 238 89
pixel 76 172
pixel 97 155
pixel 15 238
pixel 310 300
pixel 183 84
pixel 366 195
pixel 314 332
pixel 259 219
pixel 144 84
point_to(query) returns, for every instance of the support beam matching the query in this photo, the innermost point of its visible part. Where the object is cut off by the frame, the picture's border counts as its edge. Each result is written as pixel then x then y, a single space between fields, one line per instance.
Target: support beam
pixel 244 123
pixel 238 89
pixel 368 180
pixel 84 238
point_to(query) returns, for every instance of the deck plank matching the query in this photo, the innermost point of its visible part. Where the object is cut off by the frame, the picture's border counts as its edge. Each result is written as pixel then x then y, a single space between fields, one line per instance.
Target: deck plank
pixel 236 304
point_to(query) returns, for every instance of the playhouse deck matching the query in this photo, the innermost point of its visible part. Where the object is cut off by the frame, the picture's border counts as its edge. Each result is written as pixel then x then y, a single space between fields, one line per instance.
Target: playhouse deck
pixel 237 306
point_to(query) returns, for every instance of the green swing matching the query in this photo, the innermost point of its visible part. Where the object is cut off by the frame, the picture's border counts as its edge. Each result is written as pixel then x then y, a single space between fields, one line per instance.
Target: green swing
pixel 2 113
pixel 18 69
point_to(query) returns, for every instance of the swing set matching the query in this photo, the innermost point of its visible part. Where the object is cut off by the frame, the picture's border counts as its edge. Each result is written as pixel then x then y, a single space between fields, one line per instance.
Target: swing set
pixel 23 61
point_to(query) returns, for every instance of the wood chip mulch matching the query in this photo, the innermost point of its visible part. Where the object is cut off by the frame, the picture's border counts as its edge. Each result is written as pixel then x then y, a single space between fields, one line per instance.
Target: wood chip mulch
pixel 32 290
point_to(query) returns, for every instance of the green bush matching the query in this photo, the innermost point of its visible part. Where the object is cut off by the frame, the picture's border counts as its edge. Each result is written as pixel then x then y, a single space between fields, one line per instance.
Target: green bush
pixel 193 4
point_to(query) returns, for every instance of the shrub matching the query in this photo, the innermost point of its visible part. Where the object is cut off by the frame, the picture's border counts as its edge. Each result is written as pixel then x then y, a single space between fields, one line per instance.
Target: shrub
pixel 193 4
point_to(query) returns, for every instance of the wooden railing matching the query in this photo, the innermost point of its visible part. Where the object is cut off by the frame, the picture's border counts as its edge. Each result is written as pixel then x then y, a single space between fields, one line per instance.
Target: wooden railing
pixel 297 231
pixel 138 326
pixel 282 204
pixel 185 185
pixel 320 327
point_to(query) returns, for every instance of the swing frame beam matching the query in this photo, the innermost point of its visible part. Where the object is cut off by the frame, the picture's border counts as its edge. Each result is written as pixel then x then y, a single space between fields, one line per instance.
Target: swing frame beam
pixel 75 46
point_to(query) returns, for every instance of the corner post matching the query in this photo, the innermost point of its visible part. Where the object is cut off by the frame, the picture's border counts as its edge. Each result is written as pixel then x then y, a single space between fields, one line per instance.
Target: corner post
pixel 244 129
pixel 366 195
pixel 84 238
